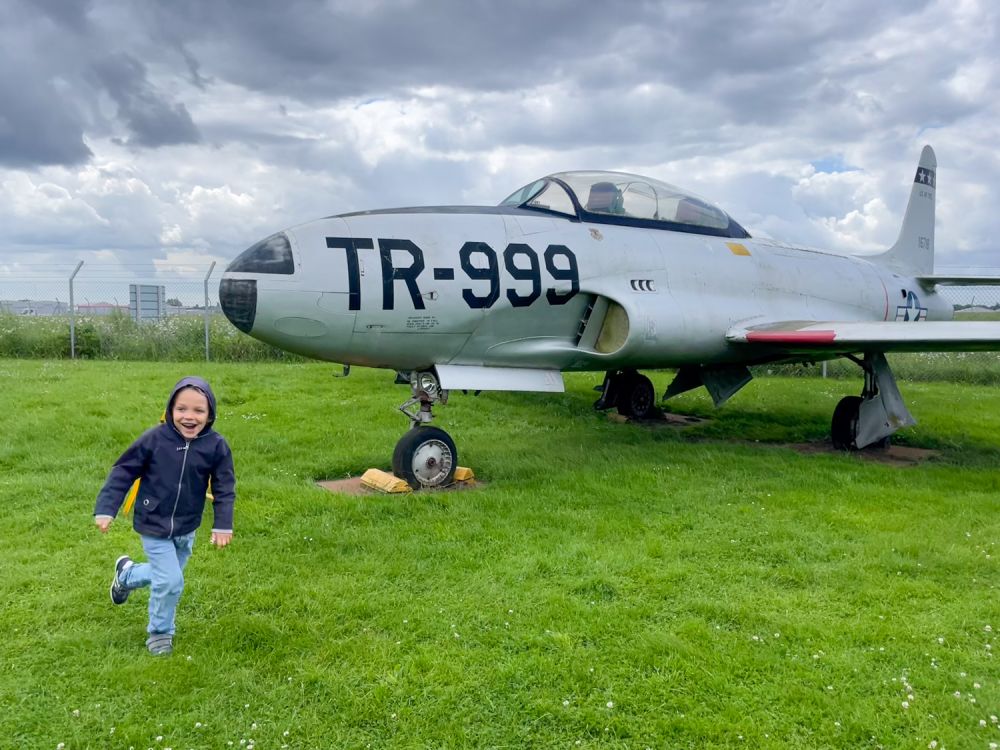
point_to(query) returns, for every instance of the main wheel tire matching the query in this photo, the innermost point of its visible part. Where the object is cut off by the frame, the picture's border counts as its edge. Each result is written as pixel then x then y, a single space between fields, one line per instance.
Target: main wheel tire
pixel 637 398
pixel 844 425
pixel 425 457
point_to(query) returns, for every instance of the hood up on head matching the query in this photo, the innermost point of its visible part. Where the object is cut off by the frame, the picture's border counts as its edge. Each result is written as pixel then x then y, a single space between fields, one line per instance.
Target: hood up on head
pixel 193 381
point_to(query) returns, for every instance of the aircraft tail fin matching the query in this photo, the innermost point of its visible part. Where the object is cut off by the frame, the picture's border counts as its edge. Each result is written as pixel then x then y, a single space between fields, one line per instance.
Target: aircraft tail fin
pixel 913 253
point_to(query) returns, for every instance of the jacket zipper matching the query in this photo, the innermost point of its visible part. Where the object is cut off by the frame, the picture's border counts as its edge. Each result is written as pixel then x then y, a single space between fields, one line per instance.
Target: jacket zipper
pixel 180 482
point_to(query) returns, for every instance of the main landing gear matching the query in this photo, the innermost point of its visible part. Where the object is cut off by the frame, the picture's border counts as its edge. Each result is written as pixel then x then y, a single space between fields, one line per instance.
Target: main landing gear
pixel 869 419
pixel 631 392
pixel 425 457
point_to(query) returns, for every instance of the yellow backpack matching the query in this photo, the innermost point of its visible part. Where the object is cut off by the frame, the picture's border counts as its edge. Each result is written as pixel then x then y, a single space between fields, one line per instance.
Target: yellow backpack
pixel 134 489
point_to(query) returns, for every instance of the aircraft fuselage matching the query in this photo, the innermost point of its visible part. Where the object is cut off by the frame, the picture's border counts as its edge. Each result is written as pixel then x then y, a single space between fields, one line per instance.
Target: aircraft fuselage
pixel 412 288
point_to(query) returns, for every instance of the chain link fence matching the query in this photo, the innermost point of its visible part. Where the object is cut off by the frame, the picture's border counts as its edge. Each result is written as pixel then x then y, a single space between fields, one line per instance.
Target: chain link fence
pixel 93 310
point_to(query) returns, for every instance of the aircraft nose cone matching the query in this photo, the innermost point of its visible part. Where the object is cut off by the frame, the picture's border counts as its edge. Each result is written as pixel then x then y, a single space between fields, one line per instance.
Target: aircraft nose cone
pixel 238 298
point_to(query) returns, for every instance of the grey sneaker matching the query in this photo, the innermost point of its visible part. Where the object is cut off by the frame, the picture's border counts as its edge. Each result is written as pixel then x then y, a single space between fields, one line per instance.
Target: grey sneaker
pixel 119 594
pixel 160 644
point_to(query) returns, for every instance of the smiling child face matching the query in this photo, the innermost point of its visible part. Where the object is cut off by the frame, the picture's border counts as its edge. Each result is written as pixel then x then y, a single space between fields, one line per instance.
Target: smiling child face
pixel 190 412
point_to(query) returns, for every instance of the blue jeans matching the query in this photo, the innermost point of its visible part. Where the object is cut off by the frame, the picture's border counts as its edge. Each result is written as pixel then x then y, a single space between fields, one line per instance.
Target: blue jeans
pixel 164 574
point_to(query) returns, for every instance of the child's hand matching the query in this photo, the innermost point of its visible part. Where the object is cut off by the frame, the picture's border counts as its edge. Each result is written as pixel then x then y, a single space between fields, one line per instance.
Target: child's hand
pixel 221 538
pixel 103 523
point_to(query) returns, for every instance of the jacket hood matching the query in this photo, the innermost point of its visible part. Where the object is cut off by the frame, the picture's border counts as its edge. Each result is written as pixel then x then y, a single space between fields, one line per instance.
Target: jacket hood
pixel 201 385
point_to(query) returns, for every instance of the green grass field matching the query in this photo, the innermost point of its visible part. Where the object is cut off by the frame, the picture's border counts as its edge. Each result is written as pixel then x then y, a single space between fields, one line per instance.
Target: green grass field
pixel 608 586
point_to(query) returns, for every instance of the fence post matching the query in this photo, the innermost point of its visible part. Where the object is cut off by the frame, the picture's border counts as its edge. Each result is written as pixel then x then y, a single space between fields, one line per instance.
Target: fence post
pixel 210 269
pixel 72 313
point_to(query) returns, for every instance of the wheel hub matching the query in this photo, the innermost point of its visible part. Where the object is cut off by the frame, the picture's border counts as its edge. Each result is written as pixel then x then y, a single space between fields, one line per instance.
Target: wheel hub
pixel 432 462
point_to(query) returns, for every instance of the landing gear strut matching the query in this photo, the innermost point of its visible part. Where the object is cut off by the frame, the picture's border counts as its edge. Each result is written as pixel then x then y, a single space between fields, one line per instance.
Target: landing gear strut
pixel 425 457
pixel 629 391
pixel 871 418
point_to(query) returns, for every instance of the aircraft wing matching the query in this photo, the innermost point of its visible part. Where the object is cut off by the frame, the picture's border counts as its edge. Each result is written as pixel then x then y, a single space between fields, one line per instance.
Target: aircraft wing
pixel 928 281
pixel 844 338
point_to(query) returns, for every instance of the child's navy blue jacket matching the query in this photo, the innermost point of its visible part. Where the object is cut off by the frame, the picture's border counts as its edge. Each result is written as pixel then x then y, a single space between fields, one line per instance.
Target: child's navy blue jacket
pixel 174 474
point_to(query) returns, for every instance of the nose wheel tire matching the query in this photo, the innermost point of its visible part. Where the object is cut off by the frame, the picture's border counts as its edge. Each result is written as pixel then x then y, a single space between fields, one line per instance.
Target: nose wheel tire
pixel 425 457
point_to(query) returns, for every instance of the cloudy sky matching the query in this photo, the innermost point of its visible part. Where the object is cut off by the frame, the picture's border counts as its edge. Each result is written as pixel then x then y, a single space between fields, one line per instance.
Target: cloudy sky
pixel 163 135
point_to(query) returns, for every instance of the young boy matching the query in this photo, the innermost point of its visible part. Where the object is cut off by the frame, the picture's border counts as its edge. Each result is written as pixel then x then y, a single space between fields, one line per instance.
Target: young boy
pixel 174 462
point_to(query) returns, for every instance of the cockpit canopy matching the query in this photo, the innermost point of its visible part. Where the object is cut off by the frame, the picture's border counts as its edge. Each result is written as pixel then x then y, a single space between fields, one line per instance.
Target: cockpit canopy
pixel 626 199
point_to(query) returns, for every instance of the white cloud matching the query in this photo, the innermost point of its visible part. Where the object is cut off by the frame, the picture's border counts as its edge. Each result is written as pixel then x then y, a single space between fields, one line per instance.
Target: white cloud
pixel 302 115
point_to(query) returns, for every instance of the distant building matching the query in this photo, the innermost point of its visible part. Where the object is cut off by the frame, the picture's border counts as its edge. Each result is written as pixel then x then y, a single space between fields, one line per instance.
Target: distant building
pixel 100 308
pixel 43 307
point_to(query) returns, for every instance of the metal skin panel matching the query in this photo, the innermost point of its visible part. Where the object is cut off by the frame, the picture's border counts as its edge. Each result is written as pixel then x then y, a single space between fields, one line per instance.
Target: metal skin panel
pixel 681 293
pixel 507 287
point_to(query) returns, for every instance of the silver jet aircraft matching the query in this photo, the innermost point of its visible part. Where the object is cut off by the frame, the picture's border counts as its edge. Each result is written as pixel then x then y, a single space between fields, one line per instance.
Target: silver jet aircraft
pixel 595 271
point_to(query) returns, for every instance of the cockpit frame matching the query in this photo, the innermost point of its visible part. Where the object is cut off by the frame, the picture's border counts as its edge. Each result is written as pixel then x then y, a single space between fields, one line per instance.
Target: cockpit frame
pixel 620 198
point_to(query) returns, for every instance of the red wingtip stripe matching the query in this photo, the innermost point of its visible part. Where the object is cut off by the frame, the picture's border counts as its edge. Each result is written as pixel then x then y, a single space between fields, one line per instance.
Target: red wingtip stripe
pixel 791 337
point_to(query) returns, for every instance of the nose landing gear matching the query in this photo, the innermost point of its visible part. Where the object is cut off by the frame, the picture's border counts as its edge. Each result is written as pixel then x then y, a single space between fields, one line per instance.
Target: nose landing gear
pixel 425 457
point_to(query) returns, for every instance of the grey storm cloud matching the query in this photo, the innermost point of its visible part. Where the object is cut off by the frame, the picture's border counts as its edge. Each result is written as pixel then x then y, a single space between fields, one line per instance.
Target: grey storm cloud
pixel 37 127
pixel 151 119
pixel 284 108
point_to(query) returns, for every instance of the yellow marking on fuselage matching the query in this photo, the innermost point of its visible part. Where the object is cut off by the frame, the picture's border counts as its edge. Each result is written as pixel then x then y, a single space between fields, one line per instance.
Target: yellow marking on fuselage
pixel 737 249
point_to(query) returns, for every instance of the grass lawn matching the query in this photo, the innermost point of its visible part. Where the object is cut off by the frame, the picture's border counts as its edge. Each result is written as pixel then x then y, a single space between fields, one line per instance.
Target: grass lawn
pixel 609 585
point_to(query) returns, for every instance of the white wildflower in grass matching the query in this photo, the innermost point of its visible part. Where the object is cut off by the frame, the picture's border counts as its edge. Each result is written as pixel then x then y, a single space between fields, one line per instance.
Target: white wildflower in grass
pixel 982 722
pixel 285 733
pixel 958 693
pixel 993 746
pixel 988 629
pixel 76 712
pixel 565 703
pixel 932 744
pixel 940 640
pixel 253 726
pixel 993 718
pixel 611 704
pixel 159 738
pixel 976 685
pixel 197 725
pixel 60 746
pixel 905 705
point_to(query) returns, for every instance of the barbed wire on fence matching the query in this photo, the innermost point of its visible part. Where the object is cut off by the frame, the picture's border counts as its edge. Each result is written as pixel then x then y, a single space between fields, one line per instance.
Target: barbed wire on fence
pixel 91 291
pixel 101 290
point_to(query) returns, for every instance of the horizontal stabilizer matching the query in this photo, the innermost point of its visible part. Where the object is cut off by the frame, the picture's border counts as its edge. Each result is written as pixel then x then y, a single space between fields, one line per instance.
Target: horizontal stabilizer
pixel 845 338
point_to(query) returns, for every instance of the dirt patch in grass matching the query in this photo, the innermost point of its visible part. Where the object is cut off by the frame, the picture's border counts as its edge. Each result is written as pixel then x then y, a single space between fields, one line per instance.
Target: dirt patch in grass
pixel 894 455
pixel 660 418
pixel 353 486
